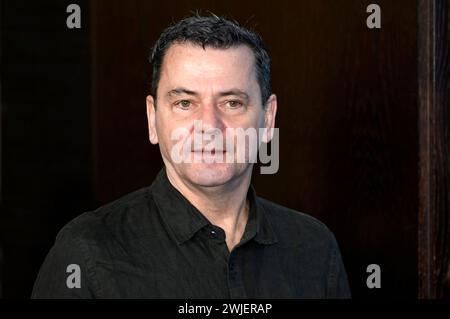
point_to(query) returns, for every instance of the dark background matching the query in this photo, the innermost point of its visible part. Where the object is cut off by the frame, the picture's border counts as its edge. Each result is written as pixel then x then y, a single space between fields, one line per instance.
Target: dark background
pixel 74 130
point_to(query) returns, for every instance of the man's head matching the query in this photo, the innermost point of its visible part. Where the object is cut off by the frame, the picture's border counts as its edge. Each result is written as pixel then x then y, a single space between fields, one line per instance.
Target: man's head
pixel 212 32
pixel 211 70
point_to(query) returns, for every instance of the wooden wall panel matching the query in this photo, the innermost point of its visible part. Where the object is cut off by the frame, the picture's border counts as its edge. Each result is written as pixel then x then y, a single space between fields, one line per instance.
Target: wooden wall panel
pixel 434 205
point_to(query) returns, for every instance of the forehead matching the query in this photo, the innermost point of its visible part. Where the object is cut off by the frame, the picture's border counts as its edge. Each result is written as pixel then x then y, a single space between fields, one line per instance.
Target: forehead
pixel 192 65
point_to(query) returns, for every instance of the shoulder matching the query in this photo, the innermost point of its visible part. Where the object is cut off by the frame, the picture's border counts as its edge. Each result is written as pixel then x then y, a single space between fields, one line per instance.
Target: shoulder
pixel 312 242
pixel 93 238
pixel 294 228
pixel 110 221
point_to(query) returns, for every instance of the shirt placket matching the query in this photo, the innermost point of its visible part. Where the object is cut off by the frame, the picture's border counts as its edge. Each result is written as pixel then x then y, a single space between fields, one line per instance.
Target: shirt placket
pixel 230 261
pixel 235 282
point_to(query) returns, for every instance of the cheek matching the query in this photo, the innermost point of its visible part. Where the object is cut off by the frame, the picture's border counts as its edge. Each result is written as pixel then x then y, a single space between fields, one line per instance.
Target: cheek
pixel 171 133
pixel 163 131
pixel 252 119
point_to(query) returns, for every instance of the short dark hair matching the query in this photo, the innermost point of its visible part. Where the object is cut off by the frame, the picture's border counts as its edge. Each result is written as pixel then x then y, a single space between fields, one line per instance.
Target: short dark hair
pixel 216 32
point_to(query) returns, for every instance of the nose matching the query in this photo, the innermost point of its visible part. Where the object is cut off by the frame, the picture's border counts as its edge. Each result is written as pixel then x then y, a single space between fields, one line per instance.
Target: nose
pixel 211 119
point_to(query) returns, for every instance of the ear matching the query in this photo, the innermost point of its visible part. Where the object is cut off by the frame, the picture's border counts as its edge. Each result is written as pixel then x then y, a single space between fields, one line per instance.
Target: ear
pixel 151 119
pixel 269 118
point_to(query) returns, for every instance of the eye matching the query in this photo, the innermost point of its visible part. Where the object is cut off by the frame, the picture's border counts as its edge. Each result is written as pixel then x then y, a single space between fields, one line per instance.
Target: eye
pixel 184 104
pixel 234 104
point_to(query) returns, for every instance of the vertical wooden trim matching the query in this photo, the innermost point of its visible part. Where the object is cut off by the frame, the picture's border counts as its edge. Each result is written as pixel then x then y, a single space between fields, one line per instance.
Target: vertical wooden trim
pixel 433 219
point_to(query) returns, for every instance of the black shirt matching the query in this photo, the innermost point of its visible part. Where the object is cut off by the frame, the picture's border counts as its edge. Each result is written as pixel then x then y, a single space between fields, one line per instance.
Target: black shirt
pixel 153 243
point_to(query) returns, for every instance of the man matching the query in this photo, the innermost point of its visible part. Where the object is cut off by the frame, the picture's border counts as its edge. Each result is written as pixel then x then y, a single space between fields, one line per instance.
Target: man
pixel 199 231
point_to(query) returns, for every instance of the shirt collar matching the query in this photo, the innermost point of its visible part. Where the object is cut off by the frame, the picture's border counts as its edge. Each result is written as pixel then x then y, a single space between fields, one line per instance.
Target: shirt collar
pixel 183 220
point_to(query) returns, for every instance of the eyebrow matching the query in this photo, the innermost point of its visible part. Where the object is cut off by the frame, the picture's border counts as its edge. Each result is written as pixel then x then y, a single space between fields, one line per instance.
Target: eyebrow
pixel 235 92
pixel 181 90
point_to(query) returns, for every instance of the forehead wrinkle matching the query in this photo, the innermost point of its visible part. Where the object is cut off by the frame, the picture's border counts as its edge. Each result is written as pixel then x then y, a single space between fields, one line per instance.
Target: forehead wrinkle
pixel 210 69
pixel 190 53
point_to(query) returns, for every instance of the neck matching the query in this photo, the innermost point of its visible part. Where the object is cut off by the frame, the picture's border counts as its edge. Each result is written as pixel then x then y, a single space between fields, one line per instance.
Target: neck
pixel 225 205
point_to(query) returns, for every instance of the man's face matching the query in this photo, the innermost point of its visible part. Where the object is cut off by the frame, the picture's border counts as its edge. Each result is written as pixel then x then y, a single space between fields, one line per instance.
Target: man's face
pixel 219 88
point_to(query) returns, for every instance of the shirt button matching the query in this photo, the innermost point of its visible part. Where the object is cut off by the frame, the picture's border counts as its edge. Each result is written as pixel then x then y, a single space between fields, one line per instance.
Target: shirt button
pixel 213 234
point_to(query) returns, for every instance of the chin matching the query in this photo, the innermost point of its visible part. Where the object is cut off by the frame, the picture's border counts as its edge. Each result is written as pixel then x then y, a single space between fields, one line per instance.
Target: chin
pixel 210 175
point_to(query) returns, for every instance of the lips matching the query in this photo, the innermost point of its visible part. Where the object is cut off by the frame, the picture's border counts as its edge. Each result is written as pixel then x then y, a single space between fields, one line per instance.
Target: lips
pixel 213 151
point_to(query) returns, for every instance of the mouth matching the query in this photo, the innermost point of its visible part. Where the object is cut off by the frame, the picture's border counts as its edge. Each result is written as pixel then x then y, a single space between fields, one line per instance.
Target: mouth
pixel 212 152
